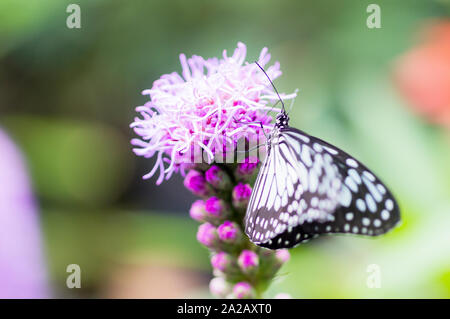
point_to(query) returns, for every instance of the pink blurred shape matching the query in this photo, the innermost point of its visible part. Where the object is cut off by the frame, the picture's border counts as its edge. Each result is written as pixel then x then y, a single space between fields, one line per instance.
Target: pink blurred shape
pixel 22 270
pixel 423 73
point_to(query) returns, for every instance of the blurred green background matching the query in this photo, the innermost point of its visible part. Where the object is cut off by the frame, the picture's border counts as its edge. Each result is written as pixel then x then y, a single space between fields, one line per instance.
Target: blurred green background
pixel 67 97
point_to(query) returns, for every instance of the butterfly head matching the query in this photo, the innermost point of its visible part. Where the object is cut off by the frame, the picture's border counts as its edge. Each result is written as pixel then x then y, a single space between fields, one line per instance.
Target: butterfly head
pixel 282 120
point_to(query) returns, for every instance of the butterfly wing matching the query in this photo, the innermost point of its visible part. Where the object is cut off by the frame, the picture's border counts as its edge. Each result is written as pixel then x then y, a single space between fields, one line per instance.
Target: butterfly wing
pixel 307 187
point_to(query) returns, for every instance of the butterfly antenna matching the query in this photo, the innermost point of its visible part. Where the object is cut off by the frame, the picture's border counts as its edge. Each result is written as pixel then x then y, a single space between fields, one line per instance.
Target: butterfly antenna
pixel 276 91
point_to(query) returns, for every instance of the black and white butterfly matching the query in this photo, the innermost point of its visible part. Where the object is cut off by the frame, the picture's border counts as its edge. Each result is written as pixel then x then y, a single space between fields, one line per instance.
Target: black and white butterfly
pixel 307 187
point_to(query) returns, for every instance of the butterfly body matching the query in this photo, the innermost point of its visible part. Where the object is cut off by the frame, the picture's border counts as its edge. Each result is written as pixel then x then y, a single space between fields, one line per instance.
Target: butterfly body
pixel 307 187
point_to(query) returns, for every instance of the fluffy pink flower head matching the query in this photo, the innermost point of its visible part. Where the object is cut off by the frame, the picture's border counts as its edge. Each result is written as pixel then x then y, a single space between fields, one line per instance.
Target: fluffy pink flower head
pixel 204 112
pixel 248 260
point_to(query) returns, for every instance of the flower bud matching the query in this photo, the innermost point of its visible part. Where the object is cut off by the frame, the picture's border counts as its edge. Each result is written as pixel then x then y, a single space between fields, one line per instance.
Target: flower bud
pixel 216 208
pixel 282 256
pixel 243 290
pixel 241 195
pixel 247 168
pixel 207 235
pixel 283 295
pixel 217 272
pixel 217 178
pixel 248 261
pixel 198 211
pixel 219 287
pixel 196 183
pixel 229 232
pixel 221 261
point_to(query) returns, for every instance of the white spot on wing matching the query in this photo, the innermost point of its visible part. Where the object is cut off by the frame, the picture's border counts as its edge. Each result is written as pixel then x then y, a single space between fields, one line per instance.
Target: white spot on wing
pixel 346 197
pixel 306 155
pixel 354 175
pixel 369 176
pixel 330 150
pixel 317 147
pixel 277 204
pixel 351 184
pixel 371 205
pixel 372 189
pixel 389 204
pixel 351 162
pixel 361 205
pixel 313 181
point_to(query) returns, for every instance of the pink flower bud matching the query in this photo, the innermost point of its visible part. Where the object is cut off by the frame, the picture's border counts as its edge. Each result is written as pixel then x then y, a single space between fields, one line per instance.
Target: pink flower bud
pixel 229 232
pixel 196 183
pixel 217 177
pixel 198 211
pixel 282 295
pixel 216 208
pixel 243 290
pixel 207 235
pixel 221 261
pixel 219 287
pixel 241 195
pixel 248 261
pixel 282 256
pixel 248 167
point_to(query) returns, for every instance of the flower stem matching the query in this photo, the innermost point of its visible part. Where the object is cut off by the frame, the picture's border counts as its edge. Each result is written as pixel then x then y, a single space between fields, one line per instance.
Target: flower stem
pixel 241 269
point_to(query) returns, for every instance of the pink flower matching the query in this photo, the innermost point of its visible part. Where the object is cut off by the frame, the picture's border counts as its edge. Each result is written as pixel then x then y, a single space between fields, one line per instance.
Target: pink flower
pixel 221 261
pixel 22 266
pixel 422 74
pixel 207 234
pixel 197 210
pixel 243 290
pixel 196 183
pixel 229 232
pixel 248 260
pixel 206 122
pixel 206 110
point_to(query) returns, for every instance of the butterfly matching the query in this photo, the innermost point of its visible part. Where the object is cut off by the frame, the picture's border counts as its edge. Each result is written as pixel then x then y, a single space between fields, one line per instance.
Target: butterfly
pixel 307 187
